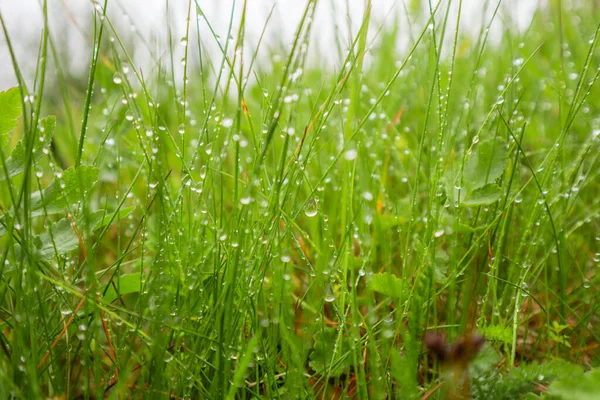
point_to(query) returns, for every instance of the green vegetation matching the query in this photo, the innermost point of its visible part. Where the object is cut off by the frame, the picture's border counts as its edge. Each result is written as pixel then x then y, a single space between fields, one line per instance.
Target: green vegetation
pixel 268 228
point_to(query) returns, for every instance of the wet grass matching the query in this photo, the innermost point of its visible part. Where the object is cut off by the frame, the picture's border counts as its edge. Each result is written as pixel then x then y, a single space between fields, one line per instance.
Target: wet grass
pixel 266 228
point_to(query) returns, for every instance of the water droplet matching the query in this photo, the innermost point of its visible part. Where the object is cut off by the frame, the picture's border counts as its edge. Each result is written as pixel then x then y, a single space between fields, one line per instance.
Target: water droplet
pixel 438 233
pixel 518 199
pixel 329 296
pixel 312 207
pixel 350 154
pixel 245 200
pixel 586 284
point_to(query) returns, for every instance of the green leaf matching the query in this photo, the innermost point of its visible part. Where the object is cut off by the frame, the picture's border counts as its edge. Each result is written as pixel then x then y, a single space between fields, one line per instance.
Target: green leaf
pixel 486 195
pixel 525 378
pixel 388 285
pixel 440 266
pixel 497 333
pixel 64 191
pixel 322 357
pixel 404 373
pixel 17 162
pixel 242 367
pixel 485 362
pixel 485 165
pixel 63 240
pixel 388 221
pixel 130 283
pixel 101 218
pixel 61 194
pixel 10 109
pixel 576 387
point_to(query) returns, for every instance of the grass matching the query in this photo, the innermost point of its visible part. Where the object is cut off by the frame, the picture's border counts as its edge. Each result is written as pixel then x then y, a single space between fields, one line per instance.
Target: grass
pixel 265 227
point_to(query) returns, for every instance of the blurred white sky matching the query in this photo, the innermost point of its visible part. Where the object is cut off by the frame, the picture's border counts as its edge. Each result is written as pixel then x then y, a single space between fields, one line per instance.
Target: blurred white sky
pixel 146 21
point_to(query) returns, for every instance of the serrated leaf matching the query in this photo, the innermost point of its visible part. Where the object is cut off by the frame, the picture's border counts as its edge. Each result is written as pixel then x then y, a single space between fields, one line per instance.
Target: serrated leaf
pixel 388 284
pixel 130 283
pixel 484 196
pixel 525 377
pixel 576 387
pixel 17 162
pixel 62 241
pixel 497 333
pixel 10 109
pixel 322 357
pixel 65 191
pixel 485 165
pixel 440 266
pixel 404 373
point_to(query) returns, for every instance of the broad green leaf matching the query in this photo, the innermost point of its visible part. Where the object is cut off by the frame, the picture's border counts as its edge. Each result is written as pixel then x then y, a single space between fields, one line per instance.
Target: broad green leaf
pixel 10 110
pixel 242 367
pixel 17 162
pixel 130 283
pixel 322 357
pixel 486 195
pixel 576 387
pixel 484 362
pixel 485 165
pixel 388 221
pixel 388 284
pixel 404 373
pixel 101 218
pixel 64 191
pixel 62 241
